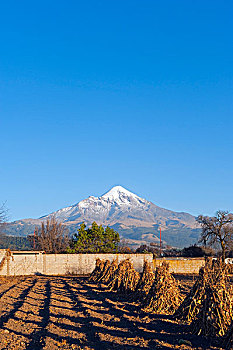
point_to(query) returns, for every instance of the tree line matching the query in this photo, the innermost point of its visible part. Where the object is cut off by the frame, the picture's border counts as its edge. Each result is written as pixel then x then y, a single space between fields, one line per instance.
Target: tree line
pixel 52 237
pixel 216 238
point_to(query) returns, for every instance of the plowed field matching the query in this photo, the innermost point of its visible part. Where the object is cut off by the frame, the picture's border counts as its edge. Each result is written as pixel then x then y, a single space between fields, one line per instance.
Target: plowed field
pixel 70 313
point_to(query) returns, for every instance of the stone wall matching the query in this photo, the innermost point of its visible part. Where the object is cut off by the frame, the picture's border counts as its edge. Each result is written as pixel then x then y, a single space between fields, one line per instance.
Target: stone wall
pixel 61 264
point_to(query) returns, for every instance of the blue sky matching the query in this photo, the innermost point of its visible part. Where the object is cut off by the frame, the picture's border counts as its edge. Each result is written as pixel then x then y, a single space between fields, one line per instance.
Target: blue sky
pixel 99 93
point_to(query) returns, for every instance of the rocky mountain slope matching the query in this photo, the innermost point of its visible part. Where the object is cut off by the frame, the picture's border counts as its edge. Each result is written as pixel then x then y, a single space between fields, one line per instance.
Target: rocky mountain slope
pixel 135 218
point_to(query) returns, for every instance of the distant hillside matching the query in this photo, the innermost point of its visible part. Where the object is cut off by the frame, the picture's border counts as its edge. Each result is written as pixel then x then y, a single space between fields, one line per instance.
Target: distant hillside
pixel 14 243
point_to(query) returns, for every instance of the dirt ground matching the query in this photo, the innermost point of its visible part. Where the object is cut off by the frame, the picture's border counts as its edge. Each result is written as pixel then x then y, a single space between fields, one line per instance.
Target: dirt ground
pixel 42 312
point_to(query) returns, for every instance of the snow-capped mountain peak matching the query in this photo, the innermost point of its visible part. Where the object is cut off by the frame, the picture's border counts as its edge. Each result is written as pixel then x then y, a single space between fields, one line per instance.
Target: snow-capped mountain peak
pixel 134 218
pixel 117 193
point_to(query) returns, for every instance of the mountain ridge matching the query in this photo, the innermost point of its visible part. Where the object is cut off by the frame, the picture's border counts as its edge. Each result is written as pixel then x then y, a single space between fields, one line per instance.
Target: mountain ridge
pixel 135 218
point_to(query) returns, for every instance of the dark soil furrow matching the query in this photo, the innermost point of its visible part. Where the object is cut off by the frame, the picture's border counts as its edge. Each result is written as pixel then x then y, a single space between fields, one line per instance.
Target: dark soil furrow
pixel 71 313
pixel 129 316
pixel 17 304
pixel 62 329
pixel 25 319
pixel 9 286
pixel 88 326
pixel 119 324
pixel 38 336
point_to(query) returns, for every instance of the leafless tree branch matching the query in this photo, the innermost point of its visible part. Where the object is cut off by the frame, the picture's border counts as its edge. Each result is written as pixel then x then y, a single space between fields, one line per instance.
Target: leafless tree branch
pixel 217 230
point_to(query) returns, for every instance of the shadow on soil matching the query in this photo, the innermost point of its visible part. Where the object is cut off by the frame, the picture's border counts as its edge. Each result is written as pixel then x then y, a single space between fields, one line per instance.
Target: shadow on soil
pixel 105 319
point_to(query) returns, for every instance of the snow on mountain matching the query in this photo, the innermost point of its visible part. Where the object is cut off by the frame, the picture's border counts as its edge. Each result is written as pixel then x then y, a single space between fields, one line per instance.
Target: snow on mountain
pixel 120 194
pixel 104 209
pixel 134 217
pixel 120 206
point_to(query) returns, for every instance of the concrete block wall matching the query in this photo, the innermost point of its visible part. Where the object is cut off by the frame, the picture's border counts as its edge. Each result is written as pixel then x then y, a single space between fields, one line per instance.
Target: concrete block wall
pixel 17 265
pixel 4 257
pixel 83 264
pixel 2 254
pixel 63 264
pixel 182 265
pixel 33 263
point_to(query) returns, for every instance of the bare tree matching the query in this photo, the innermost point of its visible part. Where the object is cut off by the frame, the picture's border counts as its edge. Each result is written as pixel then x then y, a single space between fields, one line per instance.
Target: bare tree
pixel 3 216
pixel 51 237
pixel 217 230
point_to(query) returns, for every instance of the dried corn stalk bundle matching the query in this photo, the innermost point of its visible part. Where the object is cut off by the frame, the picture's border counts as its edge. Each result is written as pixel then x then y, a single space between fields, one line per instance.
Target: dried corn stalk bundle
pixel 125 278
pixel 108 275
pixel 117 277
pixel 130 278
pixel 228 339
pixel 208 305
pixel 230 269
pixel 145 282
pixel 190 306
pixel 216 312
pixel 103 271
pixel 99 266
pixel 164 295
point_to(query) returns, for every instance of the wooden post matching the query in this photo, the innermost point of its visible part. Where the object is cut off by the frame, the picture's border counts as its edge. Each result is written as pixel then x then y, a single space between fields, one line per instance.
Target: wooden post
pixel 160 243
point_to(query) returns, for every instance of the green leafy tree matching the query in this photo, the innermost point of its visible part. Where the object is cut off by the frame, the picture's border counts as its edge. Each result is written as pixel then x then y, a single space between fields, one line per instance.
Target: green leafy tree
pixel 94 239
pixel 111 240
pixel 96 234
pixel 81 240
